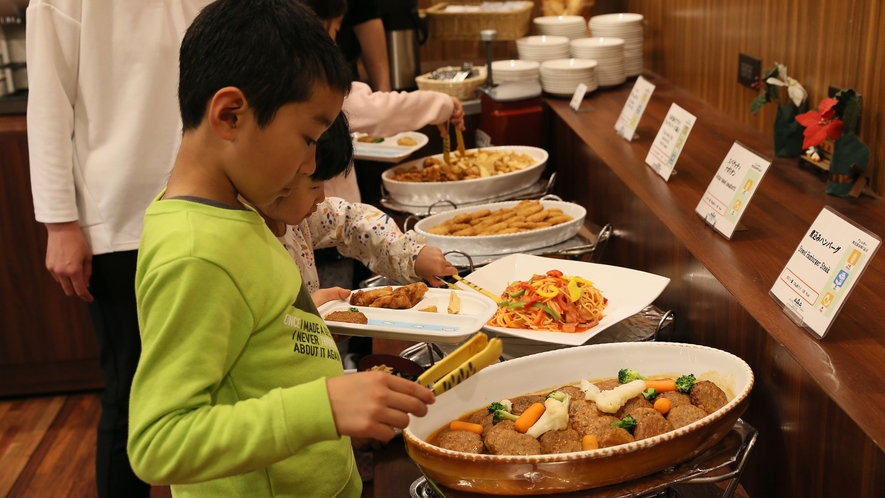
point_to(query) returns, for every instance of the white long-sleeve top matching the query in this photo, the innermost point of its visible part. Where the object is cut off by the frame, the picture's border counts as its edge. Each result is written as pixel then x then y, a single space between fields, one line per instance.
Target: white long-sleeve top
pixel 103 119
pixel 382 114
pixel 358 231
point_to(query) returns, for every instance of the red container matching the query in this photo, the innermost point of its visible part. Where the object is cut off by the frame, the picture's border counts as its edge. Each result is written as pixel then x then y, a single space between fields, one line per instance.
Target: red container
pixel 511 123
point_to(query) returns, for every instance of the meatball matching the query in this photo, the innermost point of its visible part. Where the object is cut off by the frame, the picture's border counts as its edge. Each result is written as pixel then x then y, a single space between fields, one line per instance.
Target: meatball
pixel 708 396
pixel 483 418
pixel 502 439
pixel 606 385
pixel 606 433
pixel 573 391
pixel 676 398
pixel 563 441
pixel 683 415
pixel 520 403
pixel 633 404
pixel 466 441
pixel 649 422
pixel 583 415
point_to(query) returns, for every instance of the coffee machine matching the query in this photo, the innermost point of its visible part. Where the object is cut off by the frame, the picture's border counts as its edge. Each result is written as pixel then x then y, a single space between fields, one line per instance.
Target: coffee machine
pixel 405 32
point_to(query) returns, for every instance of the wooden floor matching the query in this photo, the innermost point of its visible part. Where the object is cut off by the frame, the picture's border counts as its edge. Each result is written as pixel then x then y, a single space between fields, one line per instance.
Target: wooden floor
pixel 47 449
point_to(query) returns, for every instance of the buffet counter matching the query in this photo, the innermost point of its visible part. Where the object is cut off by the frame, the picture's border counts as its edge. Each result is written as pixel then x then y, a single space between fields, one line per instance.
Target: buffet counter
pixel 814 400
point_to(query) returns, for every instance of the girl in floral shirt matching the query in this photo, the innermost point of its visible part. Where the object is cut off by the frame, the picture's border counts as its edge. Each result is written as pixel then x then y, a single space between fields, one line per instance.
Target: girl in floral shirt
pixel 305 220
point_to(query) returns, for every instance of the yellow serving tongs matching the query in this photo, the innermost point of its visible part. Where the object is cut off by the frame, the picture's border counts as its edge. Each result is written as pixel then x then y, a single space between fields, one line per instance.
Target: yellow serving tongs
pixel 471 357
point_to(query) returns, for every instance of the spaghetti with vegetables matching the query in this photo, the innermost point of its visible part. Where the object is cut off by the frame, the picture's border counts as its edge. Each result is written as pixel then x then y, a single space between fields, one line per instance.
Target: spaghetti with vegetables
pixel 552 302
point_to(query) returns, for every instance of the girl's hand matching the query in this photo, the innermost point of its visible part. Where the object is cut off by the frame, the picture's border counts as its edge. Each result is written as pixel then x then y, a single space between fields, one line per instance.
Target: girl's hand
pixel 430 263
pixel 323 296
pixel 457 117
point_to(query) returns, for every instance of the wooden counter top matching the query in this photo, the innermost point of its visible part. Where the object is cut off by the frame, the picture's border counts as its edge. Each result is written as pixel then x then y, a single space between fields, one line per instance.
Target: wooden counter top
pixel 849 361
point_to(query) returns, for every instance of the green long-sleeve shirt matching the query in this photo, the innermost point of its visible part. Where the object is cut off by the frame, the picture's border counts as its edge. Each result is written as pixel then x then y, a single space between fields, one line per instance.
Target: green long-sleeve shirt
pixel 230 398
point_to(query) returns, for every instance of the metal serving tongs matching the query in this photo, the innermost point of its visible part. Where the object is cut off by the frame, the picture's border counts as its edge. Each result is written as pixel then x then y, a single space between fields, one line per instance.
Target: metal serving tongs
pixel 471 357
pixel 447 146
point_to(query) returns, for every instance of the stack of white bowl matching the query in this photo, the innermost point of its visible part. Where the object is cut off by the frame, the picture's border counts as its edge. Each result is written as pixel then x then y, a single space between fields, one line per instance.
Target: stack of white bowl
pixel 627 27
pixel 571 27
pixel 542 48
pixel 609 55
pixel 562 76
pixel 515 70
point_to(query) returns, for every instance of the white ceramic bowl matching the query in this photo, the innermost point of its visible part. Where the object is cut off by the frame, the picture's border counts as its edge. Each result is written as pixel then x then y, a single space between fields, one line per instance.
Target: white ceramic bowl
pixel 540 474
pixel 508 243
pixel 464 191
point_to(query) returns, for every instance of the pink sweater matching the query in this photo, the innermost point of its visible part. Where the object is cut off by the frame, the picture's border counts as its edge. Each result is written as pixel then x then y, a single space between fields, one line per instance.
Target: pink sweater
pixel 383 114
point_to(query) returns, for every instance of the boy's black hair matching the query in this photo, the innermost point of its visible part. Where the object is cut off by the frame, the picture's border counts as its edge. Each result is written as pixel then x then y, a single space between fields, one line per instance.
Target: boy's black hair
pixel 327 9
pixel 274 51
pixel 334 154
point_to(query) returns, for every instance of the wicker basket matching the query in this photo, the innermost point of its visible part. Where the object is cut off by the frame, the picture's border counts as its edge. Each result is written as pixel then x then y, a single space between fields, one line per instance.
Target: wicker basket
pixel 463 90
pixel 467 25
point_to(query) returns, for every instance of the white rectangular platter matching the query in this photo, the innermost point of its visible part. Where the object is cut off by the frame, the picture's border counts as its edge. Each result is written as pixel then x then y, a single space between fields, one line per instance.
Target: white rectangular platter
pixel 414 325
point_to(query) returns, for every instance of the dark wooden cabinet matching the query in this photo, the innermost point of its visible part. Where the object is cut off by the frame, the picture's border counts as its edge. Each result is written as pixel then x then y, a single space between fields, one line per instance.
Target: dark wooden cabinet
pixel 47 343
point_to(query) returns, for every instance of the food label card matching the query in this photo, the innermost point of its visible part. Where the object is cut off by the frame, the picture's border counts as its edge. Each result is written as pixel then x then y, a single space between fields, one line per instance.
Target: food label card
pixel 671 139
pixel 633 109
pixel 580 91
pixel 726 199
pixel 822 272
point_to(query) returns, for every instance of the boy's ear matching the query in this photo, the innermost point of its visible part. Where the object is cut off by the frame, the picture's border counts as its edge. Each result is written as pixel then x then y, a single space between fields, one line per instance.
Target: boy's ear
pixel 227 112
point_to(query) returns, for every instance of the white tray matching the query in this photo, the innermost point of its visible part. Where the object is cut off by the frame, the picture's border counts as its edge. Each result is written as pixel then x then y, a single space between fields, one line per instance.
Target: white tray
pixel 628 291
pixel 463 191
pixel 414 325
pixel 387 151
pixel 503 244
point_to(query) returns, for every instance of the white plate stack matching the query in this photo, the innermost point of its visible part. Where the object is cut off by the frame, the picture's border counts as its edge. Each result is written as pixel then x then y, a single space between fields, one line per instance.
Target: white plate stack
pixel 571 27
pixel 627 27
pixel 515 70
pixel 609 56
pixel 542 48
pixel 562 76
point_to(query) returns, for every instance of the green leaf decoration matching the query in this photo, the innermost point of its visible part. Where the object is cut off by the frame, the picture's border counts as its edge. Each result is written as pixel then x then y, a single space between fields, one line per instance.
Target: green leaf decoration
pixel 758 102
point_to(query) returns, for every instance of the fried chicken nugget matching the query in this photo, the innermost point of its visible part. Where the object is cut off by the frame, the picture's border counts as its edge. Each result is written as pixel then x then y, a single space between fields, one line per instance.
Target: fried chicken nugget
pixel 509 230
pixel 462 218
pixel 556 220
pixel 494 229
pixel 530 210
pixel 362 298
pixel 534 218
pixel 439 230
pixel 479 214
pixel 467 232
pixel 455 227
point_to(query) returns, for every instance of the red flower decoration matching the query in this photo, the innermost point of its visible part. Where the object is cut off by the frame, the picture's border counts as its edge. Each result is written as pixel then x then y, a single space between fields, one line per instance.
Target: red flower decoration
pixel 820 124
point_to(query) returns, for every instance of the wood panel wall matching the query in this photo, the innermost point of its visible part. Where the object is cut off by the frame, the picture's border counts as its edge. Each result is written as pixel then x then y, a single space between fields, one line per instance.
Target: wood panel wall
pixel 695 44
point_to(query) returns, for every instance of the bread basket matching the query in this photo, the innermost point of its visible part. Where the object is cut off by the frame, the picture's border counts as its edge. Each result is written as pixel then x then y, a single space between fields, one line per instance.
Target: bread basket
pixel 463 90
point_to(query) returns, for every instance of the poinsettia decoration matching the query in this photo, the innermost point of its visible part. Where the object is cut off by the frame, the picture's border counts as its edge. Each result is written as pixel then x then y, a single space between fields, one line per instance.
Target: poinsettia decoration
pixel 820 124
pixel 774 80
pixel 832 117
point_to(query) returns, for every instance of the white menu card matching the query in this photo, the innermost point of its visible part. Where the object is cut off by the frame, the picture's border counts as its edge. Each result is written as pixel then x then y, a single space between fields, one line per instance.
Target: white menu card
pixel 822 272
pixel 633 108
pixel 668 144
pixel 726 199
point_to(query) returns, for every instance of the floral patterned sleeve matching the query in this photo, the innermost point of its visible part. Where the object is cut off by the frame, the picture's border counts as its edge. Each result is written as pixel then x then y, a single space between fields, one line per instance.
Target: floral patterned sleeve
pixel 363 232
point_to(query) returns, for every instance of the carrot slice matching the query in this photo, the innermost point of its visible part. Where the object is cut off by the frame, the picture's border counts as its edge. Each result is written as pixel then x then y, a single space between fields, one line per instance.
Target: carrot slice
pixel 661 385
pixel 662 405
pixel 529 417
pixel 460 425
pixel 589 442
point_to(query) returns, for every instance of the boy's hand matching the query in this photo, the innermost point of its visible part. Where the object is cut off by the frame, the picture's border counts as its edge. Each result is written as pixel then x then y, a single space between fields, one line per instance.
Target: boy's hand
pixel 372 404
pixel 323 296
pixel 430 263
pixel 69 258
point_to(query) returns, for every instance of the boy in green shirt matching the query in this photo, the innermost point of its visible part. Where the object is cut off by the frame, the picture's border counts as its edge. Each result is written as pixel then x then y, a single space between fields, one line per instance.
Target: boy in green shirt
pixel 239 390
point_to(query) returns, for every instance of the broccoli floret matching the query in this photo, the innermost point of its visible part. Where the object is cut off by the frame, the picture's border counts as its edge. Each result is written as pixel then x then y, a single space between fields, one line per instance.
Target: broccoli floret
pixel 627 423
pixel 562 397
pixel 685 383
pixel 503 415
pixel 650 393
pixel 626 375
pixel 495 406
pixel 352 309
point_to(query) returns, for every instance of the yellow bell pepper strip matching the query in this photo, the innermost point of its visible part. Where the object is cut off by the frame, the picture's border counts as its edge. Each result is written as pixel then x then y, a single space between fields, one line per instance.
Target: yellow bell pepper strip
pixel 548 292
pixel 574 292
pixel 581 280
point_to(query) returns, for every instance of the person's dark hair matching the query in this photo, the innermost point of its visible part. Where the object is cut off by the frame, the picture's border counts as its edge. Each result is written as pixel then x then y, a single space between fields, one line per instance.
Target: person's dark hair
pixel 327 9
pixel 334 154
pixel 274 51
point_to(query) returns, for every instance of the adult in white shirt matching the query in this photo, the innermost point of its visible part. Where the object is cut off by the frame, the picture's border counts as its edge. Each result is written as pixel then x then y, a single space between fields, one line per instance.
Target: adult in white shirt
pixel 103 129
